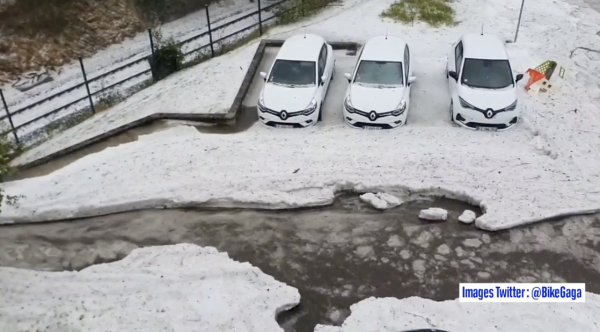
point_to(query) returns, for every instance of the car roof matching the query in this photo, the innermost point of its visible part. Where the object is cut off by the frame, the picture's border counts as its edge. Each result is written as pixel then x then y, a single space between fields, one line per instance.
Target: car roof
pixel 478 46
pixel 305 47
pixel 384 48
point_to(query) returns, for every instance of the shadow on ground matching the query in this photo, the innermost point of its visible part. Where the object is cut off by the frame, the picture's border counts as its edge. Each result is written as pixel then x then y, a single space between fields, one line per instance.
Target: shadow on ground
pixel 336 255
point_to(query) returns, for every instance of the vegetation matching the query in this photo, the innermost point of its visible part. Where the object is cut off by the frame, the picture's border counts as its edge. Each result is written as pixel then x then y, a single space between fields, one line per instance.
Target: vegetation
pixel 433 12
pixel 292 11
pixel 7 150
pixel 167 58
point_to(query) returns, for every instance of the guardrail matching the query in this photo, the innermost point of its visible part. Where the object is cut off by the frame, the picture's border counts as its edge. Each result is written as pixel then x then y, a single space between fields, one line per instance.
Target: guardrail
pixel 276 7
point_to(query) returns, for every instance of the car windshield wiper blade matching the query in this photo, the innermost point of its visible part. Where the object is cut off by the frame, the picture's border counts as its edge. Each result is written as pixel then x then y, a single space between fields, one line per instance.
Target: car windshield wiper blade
pixel 380 85
pixel 282 84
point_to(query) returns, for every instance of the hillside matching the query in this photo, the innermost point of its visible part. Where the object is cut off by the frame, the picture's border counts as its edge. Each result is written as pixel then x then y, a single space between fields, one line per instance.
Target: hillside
pixel 50 33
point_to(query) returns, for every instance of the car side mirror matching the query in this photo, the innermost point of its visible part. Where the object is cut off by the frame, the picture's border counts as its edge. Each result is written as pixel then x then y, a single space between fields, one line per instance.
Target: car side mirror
pixel 412 79
pixel 454 75
pixel 263 75
pixel 348 77
pixel 323 78
pixel 519 77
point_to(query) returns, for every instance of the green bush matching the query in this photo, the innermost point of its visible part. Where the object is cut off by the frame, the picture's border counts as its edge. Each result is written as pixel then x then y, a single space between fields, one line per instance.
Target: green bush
pixel 7 151
pixel 167 58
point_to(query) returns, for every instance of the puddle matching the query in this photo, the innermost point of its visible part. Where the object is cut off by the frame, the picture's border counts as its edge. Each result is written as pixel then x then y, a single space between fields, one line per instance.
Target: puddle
pixel 123 138
pixel 247 116
pixel 335 255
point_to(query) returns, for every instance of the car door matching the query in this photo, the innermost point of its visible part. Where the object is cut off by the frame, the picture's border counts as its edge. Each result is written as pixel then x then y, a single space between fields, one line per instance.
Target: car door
pixel 327 58
pixel 407 74
pixel 455 65
pixel 321 64
pixel 330 62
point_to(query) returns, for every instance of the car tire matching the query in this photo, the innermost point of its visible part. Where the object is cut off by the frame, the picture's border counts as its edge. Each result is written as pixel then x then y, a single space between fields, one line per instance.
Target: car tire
pixel 451 110
pixel 320 118
pixel 333 72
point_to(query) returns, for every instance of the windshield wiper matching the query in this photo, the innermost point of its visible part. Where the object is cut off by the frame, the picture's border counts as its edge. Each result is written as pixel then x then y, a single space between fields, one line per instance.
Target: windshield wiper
pixel 292 85
pixel 379 85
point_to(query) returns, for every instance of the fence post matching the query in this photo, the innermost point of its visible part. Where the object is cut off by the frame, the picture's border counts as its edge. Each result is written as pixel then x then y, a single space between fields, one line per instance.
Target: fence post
pixel 87 86
pixel 151 41
pixel 12 125
pixel 519 23
pixel 212 49
pixel 259 18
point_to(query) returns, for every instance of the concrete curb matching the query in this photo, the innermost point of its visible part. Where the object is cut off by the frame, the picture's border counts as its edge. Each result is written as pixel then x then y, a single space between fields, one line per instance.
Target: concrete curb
pixel 221 118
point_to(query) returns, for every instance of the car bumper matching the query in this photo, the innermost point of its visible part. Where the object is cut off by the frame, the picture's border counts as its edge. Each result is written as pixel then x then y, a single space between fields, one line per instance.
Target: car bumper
pixel 475 120
pixel 298 121
pixel 359 121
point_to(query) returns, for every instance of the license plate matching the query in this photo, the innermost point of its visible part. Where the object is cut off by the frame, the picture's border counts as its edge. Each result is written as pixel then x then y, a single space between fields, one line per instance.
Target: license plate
pixel 372 128
pixel 283 126
pixel 487 128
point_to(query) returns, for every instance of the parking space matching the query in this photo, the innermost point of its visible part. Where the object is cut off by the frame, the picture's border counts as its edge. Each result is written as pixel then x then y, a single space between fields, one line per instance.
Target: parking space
pixel 430 99
pixel 251 98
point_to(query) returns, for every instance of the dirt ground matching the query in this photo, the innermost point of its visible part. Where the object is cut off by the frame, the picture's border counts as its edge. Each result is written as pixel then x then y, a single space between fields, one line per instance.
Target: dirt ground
pixel 335 256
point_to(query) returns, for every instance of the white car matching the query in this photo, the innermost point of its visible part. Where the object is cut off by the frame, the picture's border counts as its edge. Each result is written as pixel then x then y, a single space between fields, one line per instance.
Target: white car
pixel 483 92
pixel 379 92
pixel 297 83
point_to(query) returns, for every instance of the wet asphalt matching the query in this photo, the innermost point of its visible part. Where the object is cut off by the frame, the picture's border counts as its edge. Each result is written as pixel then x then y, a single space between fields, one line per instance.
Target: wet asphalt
pixel 336 255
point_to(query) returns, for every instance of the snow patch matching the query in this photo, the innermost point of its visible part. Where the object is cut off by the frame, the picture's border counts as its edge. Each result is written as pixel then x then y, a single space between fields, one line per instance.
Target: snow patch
pixel 393 315
pixel 513 175
pixel 171 288
pixel 381 201
pixel 467 217
pixel 433 214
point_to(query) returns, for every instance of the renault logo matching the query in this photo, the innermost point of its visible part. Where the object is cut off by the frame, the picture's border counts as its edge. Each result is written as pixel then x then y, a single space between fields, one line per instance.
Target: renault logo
pixel 373 116
pixel 283 115
pixel 489 113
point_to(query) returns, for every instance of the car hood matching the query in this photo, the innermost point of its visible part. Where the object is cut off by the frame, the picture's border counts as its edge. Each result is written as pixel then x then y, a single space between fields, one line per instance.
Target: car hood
pixel 280 98
pixel 368 99
pixel 488 98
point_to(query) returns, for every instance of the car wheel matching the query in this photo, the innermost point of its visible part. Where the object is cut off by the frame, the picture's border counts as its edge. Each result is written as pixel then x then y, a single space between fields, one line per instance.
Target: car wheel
pixel 333 72
pixel 451 110
pixel 320 118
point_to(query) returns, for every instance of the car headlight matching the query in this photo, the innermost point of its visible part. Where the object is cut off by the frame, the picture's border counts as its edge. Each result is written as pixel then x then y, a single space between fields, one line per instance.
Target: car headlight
pixel 464 104
pixel 310 109
pixel 348 105
pixel 400 109
pixel 512 106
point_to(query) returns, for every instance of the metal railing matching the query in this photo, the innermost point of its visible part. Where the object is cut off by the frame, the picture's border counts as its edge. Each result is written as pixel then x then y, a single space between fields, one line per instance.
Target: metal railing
pixel 275 10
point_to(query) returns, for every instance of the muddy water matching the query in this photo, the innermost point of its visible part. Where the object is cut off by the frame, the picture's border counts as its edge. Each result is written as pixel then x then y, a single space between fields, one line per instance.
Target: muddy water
pixel 247 116
pixel 335 256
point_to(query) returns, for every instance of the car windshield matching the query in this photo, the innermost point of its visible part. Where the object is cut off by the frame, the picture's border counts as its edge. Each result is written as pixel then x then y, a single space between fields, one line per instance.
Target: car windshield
pixel 293 73
pixel 379 73
pixel 487 74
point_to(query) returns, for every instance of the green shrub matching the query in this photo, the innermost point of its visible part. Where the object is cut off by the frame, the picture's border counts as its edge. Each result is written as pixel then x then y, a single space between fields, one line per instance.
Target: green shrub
pixel 167 58
pixel 432 12
pixel 8 150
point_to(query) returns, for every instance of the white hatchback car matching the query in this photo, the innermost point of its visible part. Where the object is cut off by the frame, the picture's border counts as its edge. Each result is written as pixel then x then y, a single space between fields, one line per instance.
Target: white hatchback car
pixel 297 83
pixel 379 92
pixel 483 92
